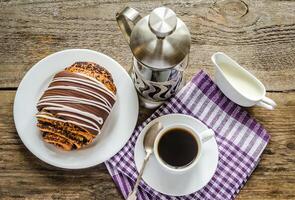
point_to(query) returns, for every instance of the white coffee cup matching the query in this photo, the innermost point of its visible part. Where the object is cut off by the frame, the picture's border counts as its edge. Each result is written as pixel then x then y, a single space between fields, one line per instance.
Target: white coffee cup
pixel 238 84
pixel 200 139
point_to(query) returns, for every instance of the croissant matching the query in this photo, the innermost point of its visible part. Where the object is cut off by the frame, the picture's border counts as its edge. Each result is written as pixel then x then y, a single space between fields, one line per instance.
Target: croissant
pixel 74 107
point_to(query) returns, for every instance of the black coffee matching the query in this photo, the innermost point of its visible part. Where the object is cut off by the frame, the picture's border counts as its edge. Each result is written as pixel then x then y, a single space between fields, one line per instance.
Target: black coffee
pixel 178 147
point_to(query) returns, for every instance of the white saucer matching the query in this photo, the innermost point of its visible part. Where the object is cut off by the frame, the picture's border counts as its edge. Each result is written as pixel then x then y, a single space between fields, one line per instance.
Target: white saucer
pixel 116 131
pixel 177 185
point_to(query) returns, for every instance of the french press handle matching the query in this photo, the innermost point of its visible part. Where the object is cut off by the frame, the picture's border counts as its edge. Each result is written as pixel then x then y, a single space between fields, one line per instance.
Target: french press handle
pixel 126 16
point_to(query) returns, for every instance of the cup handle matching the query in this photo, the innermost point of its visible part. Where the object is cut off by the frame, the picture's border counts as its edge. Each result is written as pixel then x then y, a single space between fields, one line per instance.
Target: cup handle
pixel 207 135
pixel 267 103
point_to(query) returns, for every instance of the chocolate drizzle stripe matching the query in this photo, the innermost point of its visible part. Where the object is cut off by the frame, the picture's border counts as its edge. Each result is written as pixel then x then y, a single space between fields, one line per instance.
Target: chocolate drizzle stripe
pixel 60 107
pixel 82 90
pixel 69 99
pixel 95 127
pixel 99 86
pixel 100 83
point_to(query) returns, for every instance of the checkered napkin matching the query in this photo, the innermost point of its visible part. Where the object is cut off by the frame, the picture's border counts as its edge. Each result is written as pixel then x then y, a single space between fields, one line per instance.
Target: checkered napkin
pixel 240 140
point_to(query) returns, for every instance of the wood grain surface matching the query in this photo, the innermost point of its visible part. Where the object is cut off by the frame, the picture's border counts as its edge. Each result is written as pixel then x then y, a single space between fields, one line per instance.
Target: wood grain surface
pixel 259 34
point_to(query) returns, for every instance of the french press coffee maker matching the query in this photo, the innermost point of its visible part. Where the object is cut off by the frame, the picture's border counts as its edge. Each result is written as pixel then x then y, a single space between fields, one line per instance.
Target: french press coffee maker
pixel 160 43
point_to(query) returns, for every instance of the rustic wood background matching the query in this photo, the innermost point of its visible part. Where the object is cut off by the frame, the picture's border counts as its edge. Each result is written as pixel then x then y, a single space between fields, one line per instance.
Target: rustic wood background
pixel 259 34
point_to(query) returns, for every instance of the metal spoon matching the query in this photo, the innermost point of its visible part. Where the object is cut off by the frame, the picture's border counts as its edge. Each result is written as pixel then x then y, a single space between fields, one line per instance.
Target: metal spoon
pixel 148 143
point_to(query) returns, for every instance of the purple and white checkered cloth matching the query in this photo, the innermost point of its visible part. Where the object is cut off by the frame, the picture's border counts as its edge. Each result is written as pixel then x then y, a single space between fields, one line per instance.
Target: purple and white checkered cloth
pixel 240 140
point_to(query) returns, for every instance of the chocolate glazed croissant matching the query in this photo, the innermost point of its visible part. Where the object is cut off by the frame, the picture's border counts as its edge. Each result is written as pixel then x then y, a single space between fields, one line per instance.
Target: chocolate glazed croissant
pixel 75 105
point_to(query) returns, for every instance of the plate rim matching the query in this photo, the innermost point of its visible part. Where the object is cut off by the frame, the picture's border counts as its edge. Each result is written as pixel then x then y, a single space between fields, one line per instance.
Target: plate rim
pixel 28 74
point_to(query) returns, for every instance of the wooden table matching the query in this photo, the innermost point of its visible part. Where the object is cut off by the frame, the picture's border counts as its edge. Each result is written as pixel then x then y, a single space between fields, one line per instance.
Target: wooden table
pixel 259 34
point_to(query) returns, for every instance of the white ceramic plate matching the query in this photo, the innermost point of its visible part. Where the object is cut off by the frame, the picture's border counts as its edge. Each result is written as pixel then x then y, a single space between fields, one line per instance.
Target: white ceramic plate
pixel 173 184
pixel 116 131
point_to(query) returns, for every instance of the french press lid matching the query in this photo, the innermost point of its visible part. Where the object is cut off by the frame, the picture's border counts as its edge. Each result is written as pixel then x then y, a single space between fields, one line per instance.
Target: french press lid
pixel 160 40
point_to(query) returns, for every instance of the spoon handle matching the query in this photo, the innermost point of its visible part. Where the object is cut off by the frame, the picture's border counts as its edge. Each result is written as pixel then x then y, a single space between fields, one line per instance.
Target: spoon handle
pixel 132 195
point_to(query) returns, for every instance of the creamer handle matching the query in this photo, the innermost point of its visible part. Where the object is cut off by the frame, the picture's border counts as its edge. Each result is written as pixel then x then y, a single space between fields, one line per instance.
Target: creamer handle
pixel 124 17
pixel 269 101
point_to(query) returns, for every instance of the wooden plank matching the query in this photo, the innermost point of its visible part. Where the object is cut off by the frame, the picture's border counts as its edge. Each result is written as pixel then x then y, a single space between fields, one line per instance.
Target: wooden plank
pixel 23 176
pixel 259 34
